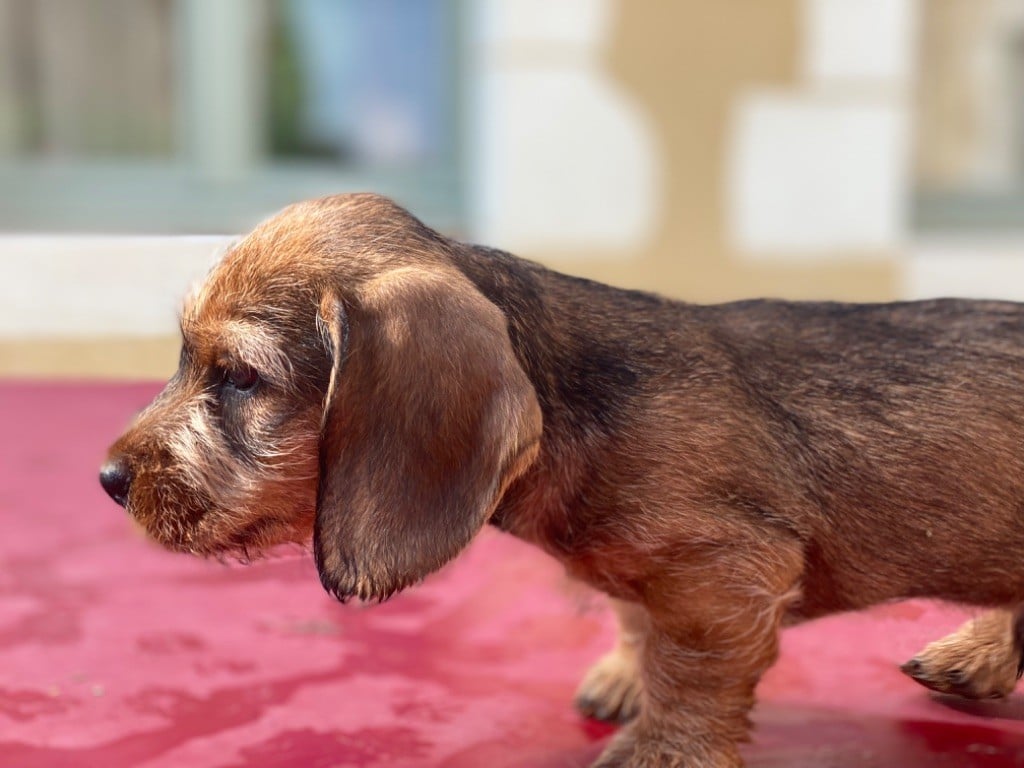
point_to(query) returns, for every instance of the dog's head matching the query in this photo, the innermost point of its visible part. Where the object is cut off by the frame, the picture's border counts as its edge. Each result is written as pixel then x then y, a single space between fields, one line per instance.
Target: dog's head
pixel 339 379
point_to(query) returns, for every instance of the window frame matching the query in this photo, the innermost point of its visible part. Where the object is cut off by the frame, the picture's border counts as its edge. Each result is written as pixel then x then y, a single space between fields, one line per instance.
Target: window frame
pixel 220 179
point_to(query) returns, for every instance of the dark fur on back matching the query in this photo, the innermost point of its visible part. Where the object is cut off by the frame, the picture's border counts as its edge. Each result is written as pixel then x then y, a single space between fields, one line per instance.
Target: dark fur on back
pixel 891 423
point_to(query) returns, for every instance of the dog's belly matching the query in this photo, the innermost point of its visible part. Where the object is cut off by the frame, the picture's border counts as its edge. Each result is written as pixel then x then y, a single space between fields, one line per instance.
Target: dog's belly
pixel 947 554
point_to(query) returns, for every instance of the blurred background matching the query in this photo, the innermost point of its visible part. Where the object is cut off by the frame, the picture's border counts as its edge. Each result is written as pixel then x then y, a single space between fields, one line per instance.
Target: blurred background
pixel 840 149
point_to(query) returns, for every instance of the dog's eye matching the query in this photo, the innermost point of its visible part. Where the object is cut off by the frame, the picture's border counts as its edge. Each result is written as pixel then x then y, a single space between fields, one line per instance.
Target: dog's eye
pixel 241 377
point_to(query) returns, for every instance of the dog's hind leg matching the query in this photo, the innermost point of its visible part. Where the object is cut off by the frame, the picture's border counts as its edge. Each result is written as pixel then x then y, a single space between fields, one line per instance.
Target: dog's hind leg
pixel 981 660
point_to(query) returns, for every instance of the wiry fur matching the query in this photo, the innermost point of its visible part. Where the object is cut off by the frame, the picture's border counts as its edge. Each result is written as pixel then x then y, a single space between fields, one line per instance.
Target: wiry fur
pixel 718 470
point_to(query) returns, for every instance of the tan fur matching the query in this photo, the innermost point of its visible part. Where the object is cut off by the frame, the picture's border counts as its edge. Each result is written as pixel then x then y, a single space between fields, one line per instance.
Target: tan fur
pixel 981 660
pixel 351 377
pixel 612 688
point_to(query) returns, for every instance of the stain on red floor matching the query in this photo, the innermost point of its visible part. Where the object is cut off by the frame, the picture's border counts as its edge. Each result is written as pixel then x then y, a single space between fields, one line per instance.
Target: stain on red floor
pixel 114 653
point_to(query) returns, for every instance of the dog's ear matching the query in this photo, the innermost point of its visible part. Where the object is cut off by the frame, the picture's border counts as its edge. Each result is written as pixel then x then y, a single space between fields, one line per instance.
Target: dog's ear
pixel 428 418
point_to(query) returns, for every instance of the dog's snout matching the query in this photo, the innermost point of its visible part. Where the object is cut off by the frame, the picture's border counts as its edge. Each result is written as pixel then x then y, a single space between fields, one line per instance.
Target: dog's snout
pixel 116 479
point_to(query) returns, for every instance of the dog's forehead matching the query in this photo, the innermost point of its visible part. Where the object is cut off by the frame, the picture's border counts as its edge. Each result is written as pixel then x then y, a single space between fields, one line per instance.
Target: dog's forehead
pixel 281 267
pixel 252 281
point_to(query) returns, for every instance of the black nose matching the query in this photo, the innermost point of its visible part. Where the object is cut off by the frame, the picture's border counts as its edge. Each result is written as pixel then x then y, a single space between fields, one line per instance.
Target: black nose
pixel 116 479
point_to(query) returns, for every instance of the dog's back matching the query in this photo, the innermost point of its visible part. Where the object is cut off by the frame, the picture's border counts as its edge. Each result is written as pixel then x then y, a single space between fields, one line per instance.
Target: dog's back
pixel 888 437
pixel 906 423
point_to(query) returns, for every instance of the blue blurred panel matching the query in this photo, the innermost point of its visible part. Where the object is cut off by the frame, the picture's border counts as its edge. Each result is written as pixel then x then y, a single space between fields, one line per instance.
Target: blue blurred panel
pixel 374 77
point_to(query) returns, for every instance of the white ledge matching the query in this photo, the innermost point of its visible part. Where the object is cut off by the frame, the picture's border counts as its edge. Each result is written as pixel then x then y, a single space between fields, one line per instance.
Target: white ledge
pixel 71 286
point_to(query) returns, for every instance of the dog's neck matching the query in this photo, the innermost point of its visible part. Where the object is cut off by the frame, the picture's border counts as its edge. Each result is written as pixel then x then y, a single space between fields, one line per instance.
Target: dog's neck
pixel 591 363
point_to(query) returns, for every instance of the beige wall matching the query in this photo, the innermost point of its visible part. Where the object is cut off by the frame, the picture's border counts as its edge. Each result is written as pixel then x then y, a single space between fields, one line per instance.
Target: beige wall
pixel 688 63
pixel 89 358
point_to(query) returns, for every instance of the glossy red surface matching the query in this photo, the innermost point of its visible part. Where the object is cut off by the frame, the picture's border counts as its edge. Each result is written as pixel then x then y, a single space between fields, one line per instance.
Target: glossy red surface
pixel 114 653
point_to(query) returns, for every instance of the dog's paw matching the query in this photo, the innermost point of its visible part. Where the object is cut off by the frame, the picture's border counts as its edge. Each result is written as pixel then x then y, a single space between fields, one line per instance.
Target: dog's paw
pixel 611 689
pixel 978 661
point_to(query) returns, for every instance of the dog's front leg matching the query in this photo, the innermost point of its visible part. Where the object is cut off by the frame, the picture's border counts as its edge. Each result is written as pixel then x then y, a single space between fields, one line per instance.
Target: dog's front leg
pixel 713 627
pixel 611 688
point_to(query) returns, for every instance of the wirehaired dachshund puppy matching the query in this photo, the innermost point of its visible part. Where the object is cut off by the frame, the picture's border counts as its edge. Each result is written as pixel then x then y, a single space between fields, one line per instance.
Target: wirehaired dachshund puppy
pixel 350 377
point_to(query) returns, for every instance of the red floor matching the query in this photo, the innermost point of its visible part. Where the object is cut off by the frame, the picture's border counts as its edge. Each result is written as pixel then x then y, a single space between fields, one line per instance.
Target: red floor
pixel 114 653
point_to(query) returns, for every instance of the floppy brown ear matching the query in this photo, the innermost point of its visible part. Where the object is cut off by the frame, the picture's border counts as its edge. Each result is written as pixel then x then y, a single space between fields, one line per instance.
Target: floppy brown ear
pixel 428 418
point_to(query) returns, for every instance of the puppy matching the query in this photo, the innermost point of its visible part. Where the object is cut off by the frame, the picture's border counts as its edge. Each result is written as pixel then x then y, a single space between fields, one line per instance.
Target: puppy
pixel 351 377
